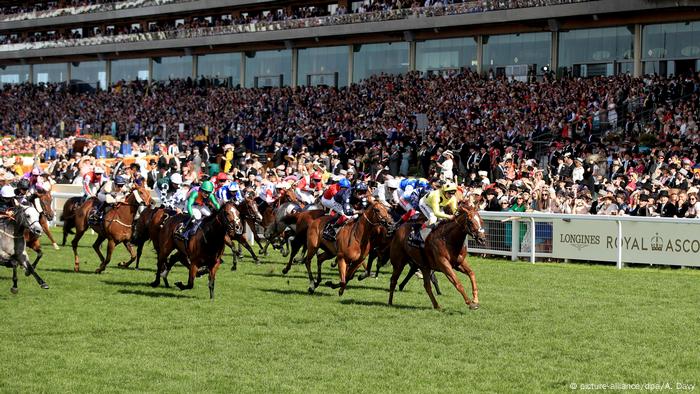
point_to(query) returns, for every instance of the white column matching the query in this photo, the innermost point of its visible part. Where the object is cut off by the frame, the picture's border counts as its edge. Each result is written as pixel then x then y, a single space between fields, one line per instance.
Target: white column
pixel 638 67
pixel 295 67
pixel 351 64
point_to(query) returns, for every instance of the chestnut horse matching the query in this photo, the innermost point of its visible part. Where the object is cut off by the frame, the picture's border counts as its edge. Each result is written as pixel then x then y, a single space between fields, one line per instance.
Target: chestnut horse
pixel 148 227
pixel 444 251
pixel 116 227
pixel 202 250
pixel 299 222
pixel 352 245
pixel 70 207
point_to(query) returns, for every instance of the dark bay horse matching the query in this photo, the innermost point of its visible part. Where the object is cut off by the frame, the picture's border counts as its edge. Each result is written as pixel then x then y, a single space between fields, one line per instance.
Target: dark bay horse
pixel 444 251
pixel 148 227
pixel 202 250
pixel 12 242
pixel 116 227
pixel 250 217
pixel 70 207
pixel 299 222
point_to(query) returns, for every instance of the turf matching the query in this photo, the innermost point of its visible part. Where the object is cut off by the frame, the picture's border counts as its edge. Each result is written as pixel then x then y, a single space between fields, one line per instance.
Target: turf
pixel 541 328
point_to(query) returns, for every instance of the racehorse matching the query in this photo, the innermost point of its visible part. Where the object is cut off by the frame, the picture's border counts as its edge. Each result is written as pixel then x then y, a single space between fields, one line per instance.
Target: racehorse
pixel 148 227
pixel 250 217
pixel 41 201
pixel 299 222
pixel 202 250
pixel 444 251
pixel 274 226
pixel 115 228
pixel 12 243
pixel 68 215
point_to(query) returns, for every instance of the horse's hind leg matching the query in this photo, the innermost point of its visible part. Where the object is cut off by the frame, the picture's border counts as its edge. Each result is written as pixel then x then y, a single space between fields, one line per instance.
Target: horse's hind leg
pixel 171 262
pixel 247 247
pixel 67 226
pixel 368 271
pixel 74 244
pixel 412 270
pixel 433 280
pixel 295 249
pixel 190 278
pixel 428 288
pixel 132 255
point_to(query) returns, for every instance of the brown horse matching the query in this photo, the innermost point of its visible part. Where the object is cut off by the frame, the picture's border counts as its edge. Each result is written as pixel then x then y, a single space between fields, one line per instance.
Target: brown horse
pixel 116 227
pixel 148 227
pixel 444 251
pixel 251 217
pixel 70 207
pixel 202 250
pixel 300 222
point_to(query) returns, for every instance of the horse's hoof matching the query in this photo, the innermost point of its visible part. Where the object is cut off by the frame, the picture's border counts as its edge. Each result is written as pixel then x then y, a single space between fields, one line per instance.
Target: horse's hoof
pixel 284 271
pixel 98 271
pixel 13 290
pixel 55 247
pixel 154 284
pixel 76 269
pixel 257 262
pixel 122 265
pixel 474 306
pixel 136 268
pixel 233 268
pixel 44 286
pixel 180 285
pixel 311 289
pixel 27 273
pixel 340 292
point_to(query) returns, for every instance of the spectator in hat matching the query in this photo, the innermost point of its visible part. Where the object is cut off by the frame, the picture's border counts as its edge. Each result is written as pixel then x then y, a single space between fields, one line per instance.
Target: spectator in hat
pixel 665 208
pixel 447 165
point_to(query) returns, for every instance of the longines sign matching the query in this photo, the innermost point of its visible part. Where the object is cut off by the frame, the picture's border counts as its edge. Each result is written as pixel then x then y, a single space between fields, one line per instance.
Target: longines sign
pixel 642 242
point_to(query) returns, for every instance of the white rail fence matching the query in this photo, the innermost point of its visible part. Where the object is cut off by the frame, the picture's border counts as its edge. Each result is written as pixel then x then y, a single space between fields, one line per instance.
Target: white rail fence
pixel 619 239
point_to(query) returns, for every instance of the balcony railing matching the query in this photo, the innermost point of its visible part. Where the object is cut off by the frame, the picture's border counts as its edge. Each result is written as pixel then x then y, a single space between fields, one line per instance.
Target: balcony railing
pixel 86 9
pixel 332 20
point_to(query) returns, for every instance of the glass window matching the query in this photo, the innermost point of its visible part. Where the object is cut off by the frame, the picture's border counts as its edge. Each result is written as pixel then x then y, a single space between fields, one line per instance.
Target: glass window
pixel 177 67
pixel 531 49
pixel 373 59
pixel 268 68
pixel 321 66
pixel 92 73
pixel 671 41
pixel 129 70
pixel 451 53
pixel 596 46
pixel 50 73
pixel 14 74
pixel 225 67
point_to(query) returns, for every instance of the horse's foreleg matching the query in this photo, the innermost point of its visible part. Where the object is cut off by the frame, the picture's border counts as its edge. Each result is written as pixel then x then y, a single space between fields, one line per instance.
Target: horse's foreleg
pixel 452 277
pixel 247 247
pixel 160 267
pixel 30 271
pixel 45 226
pixel 212 278
pixel 133 255
pixel 466 269
pixel 14 289
pixel 190 278
pixel 105 260
pixel 307 263
pixel 319 263
pixel 368 271
pixel 171 262
pixel 295 249
pixel 67 226
pixel 395 274
pixel 434 281
pixel 342 266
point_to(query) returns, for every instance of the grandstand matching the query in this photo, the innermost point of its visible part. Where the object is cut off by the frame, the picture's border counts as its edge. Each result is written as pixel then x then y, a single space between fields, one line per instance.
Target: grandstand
pixel 293 43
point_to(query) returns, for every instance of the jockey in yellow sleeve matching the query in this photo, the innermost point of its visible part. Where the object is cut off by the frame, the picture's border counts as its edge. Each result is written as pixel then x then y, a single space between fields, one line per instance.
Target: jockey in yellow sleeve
pixel 433 204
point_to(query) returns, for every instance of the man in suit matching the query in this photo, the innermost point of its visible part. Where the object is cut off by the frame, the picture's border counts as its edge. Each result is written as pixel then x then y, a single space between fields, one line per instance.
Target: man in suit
pixel 665 208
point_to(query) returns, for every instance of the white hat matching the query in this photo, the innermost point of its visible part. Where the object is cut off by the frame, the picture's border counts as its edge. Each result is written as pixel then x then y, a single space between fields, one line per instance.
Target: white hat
pixel 482 173
pixel 393 183
pixel 448 153
pixel 176 179
pixel 351 162
pixel 7 191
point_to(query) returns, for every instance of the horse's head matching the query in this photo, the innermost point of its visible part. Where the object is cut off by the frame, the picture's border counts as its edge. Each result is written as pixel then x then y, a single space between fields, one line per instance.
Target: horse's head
pixel 378 213
pixel 253 210
pixel 473 221
pixel 231 218
pixel 139 197
pixel 42 203
pixel 28 217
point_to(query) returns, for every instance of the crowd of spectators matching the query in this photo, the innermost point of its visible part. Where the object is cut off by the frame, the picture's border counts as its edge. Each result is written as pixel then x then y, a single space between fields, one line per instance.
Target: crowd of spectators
pixel 603 145
pixel 299 17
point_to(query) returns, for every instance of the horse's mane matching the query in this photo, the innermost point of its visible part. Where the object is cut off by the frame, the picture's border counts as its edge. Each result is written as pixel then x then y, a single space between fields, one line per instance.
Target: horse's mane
pixel 460 212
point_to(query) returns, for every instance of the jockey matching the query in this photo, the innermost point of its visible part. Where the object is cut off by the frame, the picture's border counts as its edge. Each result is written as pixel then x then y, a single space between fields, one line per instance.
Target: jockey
pixel 305 191
pixel 384 192
pixel 198 206
pixel 92 182
pixel 21 192
pixel 410 201
pixel 433 204
pixel 266 194
pixel 177 199
pixel 7 200
pixel 328 195
pixel 341 207
pixel 34 182
pixel 229 191
pixel 110 193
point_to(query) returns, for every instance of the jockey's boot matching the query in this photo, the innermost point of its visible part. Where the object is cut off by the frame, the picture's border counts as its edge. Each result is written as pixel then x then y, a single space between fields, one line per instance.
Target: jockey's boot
pixel 183 230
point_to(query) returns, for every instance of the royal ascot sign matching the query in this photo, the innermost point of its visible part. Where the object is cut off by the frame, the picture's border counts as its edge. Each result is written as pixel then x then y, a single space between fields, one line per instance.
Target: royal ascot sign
pixel 675 243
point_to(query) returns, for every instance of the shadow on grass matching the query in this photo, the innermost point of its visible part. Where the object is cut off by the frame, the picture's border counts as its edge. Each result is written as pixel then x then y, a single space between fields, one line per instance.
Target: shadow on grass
pixel 83 271
pixel 153 294
pixel 276 274
pixel 383 304
pixel 293 292
pixel 125 283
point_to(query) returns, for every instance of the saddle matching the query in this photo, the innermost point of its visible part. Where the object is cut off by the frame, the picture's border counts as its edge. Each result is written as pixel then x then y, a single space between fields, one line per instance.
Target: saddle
pixel 418 234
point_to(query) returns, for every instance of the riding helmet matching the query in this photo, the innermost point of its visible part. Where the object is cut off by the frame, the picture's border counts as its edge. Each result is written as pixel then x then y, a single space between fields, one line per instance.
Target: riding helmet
pixel 344 183
pixel 7 192
pixel 120 180
pixel 23 184
pixel 207 186
pixel 449 187
pixel 361 186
